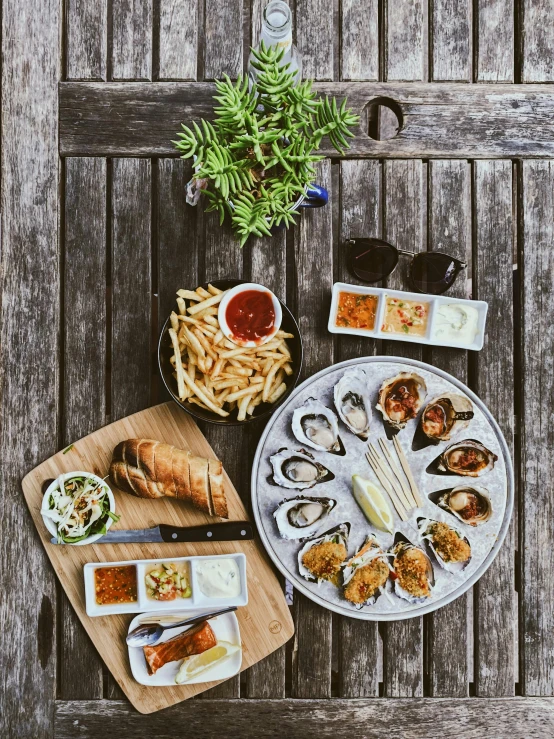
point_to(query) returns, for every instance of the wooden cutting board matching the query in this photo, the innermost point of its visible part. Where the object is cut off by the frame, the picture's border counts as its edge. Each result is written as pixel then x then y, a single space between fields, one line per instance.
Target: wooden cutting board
pixel 265 623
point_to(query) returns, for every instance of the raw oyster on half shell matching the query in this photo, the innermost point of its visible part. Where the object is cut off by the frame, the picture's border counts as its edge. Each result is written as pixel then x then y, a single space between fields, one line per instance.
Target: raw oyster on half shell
pixel 317 426
pixel 451 548
pixel 352 401
pixel 414 577
pixel 302 517
pixel 401 398
pixel 298 470
pixel 469 458
pixel 322 558
pixel 365 575
pixel 471 505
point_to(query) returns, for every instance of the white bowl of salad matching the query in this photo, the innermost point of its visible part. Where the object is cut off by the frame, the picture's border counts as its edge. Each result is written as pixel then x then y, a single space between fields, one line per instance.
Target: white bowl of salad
pixel 78 508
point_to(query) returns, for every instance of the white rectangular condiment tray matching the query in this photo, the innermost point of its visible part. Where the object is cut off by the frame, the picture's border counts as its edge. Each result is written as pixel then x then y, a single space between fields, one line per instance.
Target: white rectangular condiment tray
pixel 225 628
pixel 197 601
pixel 434 334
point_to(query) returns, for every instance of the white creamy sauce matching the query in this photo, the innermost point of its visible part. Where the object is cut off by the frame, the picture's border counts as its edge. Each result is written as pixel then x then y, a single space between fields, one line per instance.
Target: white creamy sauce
pixel 456 323
pixel 218 578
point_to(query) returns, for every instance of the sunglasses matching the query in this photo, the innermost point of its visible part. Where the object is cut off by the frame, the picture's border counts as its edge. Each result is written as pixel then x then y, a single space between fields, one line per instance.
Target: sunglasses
pixel 371 260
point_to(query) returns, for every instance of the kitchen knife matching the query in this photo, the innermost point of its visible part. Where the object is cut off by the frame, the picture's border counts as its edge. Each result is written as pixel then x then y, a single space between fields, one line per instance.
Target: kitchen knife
pixel 227 531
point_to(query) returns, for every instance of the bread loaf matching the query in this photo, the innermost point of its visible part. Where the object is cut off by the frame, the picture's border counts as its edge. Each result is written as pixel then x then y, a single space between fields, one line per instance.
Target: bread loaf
pixel 152 469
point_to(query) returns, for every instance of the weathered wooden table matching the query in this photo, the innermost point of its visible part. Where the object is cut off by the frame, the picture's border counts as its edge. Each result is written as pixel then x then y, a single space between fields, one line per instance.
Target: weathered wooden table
pixel 96 237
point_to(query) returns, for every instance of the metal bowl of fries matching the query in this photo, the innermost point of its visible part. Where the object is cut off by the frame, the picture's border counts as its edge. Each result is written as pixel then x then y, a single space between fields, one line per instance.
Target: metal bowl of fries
pixel 215 380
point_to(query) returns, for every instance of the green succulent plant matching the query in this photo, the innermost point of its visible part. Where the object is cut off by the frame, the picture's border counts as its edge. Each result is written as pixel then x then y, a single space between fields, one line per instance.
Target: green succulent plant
pixel 258 156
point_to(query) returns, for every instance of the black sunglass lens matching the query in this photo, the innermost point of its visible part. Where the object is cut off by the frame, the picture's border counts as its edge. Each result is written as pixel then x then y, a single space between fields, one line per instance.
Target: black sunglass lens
pixel 433 273
pixel 372 262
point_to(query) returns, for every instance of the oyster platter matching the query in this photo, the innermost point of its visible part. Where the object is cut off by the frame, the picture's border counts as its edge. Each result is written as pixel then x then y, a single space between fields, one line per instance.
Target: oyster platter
pixel 383 488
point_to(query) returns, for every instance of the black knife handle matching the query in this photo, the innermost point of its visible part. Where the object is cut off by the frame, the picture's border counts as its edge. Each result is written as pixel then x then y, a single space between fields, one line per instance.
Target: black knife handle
pixel 227 531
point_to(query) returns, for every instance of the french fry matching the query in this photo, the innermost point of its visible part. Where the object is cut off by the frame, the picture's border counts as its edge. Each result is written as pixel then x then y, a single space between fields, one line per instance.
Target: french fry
pixel 267 366
pixel 215 290
pixel 174 321
pixel 194 343
pixel 188 294
pixel 288 369
pixel 283 335
pixel 277 394
pixel 203 293
pixel 201 395
pixel 178 365
pixel 218 367
pixel 269 378
pixel 208 303
pixel 182 306
pixel 212 321
pixel 239 394
pixel 205 343
pixel 277 380
pixel 218 337
pixel 245 371
pixel 243 405
pixel 222 384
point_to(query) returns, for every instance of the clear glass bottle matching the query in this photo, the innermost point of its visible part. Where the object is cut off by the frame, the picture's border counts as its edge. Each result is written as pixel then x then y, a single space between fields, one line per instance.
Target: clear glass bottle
pixel 277 31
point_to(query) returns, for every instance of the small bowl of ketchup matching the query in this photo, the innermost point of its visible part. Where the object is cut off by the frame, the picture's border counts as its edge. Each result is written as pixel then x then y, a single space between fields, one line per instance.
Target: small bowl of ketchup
pixel 250 314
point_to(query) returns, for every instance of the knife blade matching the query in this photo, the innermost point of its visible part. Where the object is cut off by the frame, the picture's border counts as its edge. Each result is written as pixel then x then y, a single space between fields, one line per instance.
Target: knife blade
pixel 164 533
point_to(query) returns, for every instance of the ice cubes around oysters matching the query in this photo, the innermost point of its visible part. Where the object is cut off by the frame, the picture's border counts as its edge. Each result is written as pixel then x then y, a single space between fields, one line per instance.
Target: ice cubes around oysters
pixel 400 399
pixel 471 505
pixel 450 547
pixel 302 517
pixel 298 470
pixel 327 554
pixel 317 426
pixel 443 416
pixel 468 458
pixel 352 402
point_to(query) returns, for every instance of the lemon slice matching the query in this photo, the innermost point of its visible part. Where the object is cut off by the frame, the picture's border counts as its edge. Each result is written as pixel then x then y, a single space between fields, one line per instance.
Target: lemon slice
pixel 372 502
pixel 198 663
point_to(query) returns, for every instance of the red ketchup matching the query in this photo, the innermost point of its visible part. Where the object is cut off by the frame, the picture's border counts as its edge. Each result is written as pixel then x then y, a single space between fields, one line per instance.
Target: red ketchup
pixel 250 315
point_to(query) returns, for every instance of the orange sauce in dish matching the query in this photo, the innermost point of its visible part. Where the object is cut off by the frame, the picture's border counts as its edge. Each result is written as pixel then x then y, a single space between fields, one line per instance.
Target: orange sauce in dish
pixel 405 316
pixel 356 311
pixel 115 585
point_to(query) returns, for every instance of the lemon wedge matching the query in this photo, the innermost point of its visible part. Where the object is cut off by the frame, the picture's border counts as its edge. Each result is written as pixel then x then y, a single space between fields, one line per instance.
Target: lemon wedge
pixel 198 663
pixel 373 503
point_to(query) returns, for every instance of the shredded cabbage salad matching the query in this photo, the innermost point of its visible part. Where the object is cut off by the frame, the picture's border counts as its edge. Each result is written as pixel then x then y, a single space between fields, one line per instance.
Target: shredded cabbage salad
pixel 80 507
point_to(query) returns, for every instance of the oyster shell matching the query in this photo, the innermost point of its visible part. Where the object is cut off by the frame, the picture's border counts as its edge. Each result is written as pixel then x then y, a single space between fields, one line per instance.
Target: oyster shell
pixel 317 426
pixel 442 416
pixel 471 505
pixel 318 562
pixel 352 402
pixel 451 548
pixel 298 470
pixel 407 559
pixel 302 517
pixel 400 399
pixel 469 458
pixel 366 574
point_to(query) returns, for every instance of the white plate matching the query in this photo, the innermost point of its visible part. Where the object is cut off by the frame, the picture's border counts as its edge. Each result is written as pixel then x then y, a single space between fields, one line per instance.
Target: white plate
pixel 485 540
pixel 197 602
pixel 435 301
pixel 225 628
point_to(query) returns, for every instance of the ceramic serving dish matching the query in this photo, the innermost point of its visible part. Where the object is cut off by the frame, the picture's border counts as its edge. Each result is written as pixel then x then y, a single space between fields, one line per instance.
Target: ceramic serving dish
pixel 435 302
pixel 197 601
pixel 226 629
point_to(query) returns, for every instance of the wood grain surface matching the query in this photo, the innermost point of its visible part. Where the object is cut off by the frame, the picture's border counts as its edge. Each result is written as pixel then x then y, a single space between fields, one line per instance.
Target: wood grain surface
pixel 265 622
pixel 92 252
pixel 446 120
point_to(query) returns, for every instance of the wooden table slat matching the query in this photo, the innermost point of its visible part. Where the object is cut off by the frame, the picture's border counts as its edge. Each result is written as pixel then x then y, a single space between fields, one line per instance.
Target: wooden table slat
pixel 440 120
pixel 449 209
pixel 405 40
pixel 314 35
pixel 495 41
pixel 87 39
pixel 404 225
pixel 451 41
pixel 537 41
pixel 223 39
pixel 360 40
pixel 495 599
pixel 360 192
pixel 85 375
pixel 178 39
pixel 132 40
pixel 30 289
pixel 537 440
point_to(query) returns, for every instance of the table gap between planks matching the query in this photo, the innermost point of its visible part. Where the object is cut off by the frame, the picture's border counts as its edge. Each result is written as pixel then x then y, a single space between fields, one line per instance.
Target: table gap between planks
pixel 94 247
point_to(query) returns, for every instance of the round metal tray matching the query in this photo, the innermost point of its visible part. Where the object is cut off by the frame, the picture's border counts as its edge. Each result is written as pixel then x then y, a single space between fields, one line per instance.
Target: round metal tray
pixel 485 539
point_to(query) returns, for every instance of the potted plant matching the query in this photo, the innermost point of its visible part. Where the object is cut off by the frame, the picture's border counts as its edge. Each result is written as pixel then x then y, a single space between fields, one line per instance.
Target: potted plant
pixel 255 162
